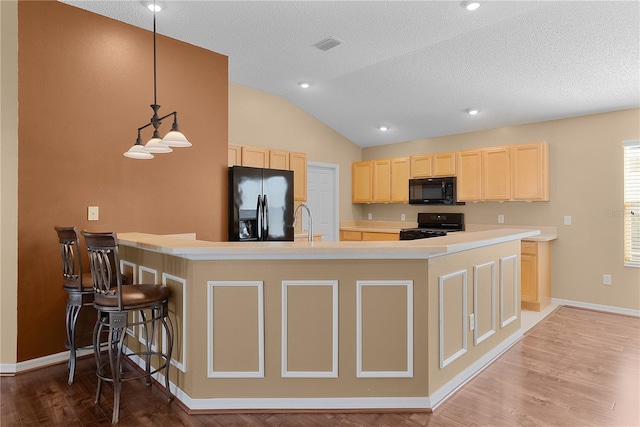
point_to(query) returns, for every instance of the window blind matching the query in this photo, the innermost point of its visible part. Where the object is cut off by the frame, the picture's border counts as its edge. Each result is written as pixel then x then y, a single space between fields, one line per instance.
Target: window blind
pixel 632 203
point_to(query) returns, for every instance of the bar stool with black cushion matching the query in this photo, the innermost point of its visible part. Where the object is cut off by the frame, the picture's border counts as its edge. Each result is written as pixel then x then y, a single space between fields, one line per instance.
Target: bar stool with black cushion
pixel 115 303
pixel 77 284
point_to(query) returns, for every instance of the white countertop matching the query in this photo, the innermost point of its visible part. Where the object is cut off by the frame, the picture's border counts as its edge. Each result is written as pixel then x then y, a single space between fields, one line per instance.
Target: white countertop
pixel 187 246
pixel 547 233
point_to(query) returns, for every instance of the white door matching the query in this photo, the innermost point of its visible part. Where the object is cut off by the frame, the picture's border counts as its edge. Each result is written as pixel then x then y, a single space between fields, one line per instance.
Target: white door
pixel 322 199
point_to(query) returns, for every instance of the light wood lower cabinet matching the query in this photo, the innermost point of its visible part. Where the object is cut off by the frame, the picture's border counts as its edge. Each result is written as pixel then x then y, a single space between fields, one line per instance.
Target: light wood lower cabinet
pixel 535 275
pixel 356 236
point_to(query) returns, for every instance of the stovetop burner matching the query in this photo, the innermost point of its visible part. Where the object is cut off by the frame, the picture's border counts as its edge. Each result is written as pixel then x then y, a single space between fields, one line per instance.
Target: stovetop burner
pixel 433 225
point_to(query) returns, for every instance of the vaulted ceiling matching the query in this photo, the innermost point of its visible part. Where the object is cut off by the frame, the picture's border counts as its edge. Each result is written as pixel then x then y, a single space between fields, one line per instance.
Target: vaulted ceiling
pixel 416 66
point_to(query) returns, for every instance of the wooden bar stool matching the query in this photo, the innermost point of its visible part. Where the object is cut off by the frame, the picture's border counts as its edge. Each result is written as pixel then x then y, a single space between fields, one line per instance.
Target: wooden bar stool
pixel 116 305
pixel 77 285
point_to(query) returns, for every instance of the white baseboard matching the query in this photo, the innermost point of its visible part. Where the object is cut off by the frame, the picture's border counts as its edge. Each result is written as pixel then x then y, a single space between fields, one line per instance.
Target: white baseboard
pixel 39 362
pixel 599 307
pixel 330 403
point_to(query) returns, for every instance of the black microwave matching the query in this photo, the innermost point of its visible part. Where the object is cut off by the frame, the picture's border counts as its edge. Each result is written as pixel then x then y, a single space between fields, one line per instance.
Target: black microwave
pixel 433 191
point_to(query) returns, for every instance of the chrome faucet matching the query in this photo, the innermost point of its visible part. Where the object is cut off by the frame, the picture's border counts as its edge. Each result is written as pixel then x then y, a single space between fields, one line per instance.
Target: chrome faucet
pixel 295 219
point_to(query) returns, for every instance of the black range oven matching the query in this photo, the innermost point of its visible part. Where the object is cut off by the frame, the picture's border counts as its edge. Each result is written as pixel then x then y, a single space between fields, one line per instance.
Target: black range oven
pixel 434 225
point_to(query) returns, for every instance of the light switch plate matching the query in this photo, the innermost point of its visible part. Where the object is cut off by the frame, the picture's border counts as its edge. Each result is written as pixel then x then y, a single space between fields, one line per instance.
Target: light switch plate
pixel 92 213
pixel 567 220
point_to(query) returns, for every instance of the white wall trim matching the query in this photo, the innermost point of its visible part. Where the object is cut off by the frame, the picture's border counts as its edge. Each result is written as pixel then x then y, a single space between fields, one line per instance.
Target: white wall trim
pixel 333 373
pixel 180 365
pixel 516 295
pixel 360 373
pixel 260 306
pixel 463 349
pixel 599 307
pixel 477 339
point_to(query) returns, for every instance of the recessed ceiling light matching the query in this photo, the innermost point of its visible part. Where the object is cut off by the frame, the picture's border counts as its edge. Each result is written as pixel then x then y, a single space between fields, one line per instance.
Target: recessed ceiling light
pixel 472 111
pixel 304 85
pixel 384 128
pixel 154 6
pixel 470 5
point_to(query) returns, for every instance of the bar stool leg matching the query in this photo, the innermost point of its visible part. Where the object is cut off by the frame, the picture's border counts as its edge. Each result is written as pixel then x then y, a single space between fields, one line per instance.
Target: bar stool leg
pixel 71 318
pixel 168 326
pixel 97 331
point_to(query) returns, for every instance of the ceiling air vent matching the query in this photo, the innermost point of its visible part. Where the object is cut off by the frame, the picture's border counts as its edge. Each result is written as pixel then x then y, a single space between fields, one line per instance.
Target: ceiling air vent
pixel 328 43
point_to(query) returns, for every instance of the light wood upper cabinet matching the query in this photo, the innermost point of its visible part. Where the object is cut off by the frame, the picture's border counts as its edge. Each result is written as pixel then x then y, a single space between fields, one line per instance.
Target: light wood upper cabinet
pixel 496 173
pixel 530 171
pixel 278 159
pixel 256 157
pixel 400 167
pixel 362 182
pixel 443 164
pixel 234 155
pixel 438 164
pixel 298 164
pixel 382 181
pixel 469 183
pixel 421 166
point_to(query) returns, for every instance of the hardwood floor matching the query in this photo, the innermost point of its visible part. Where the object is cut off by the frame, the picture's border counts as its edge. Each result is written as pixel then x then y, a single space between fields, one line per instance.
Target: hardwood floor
pixel 575 368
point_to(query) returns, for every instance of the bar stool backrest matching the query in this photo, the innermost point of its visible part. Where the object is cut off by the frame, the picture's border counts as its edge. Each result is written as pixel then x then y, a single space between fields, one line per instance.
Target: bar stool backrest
pixel 105 265
pixel 71 259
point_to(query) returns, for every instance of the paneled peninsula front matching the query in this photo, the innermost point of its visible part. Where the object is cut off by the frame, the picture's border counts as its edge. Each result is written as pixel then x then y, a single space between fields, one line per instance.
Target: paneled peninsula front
pixel 331 325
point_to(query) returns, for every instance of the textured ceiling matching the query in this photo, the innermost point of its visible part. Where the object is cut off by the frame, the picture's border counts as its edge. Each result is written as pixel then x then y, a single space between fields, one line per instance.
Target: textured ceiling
pixel 416 66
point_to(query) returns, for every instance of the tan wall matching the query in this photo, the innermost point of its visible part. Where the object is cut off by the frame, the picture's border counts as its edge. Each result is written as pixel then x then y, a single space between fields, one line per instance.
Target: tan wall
pixel 85 85
pixel 261 119
pixel 9 181
pixel 586 176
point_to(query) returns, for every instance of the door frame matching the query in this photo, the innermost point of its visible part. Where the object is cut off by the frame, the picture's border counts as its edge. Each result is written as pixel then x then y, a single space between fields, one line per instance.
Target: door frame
pixel 335 173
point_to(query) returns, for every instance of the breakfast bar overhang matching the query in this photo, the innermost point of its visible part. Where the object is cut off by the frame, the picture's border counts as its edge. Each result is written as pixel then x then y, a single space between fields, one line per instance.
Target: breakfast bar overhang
pixel 277 326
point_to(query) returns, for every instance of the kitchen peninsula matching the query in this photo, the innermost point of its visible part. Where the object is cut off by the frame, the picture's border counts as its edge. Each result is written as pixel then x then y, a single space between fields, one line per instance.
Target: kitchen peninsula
pixel 331 325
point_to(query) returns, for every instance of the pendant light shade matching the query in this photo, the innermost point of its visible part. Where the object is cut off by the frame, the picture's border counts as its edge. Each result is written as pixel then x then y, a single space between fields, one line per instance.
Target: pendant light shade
pixel 138 152
pixel 175 139
pixel 155 145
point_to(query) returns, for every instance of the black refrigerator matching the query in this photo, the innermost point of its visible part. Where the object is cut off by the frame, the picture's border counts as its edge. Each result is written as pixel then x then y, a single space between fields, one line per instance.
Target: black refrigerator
pixel 260 204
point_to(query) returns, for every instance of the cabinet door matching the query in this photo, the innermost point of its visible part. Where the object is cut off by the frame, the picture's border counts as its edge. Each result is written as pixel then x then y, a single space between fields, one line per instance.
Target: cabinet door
pixel 530 171
pixel 256 157
pixel 362 182
pixel 469 185
pixel 382 181
pixel 528 278
pixel 421 166
pixel 496 173
pixel 400 180
pixel 278 159
pixel 444 164
pixel 234 155
pixel 298 164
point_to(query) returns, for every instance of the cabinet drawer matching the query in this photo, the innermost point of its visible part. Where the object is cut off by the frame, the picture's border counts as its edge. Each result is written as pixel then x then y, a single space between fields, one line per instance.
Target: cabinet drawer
pixel 350 235
pixel 372 236
pixel 529 248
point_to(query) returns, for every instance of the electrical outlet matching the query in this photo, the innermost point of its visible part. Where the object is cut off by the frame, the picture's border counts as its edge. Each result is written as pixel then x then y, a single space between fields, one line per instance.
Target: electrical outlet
pixel 472 322
pixel 92 213
pixel 500 219
pixel 606 279
pixel 369 216
pixel 403 217
pixel 567 220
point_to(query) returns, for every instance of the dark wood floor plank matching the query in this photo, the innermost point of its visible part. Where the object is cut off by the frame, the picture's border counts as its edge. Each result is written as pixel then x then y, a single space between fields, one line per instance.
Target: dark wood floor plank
pixel 576 368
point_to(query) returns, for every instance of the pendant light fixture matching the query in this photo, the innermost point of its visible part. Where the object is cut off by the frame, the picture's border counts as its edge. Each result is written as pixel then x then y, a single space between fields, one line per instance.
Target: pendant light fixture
pixel 174 138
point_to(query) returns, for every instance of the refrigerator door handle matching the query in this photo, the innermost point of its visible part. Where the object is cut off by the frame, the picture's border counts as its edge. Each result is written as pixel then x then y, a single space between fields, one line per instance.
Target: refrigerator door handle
pixel 265 210
pixel 259 217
